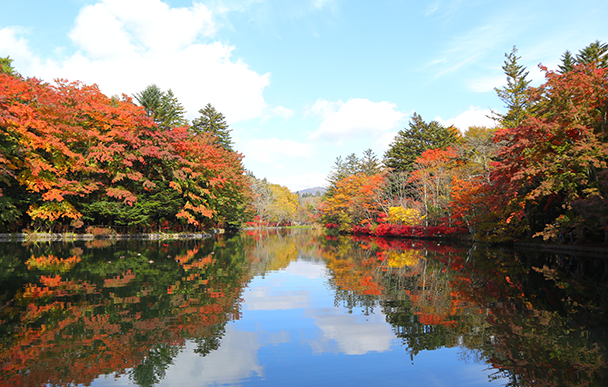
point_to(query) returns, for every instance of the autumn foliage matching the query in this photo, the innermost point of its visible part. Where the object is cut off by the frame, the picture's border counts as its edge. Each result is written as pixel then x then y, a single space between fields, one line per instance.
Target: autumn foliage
pixel 71 156
pixel 544 177
pixel 70 320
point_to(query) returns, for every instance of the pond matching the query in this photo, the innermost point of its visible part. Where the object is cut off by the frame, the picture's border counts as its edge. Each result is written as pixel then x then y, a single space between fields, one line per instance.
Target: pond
pixel 299 308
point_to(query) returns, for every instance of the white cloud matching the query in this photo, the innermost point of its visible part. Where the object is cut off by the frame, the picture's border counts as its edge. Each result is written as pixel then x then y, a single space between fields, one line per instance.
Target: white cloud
pixel 474 116
pixel 281 111
pixel 278 111
pixel 14 46
pixel 145 42
pixel 324 108
pixel 272 150
pixel 355 118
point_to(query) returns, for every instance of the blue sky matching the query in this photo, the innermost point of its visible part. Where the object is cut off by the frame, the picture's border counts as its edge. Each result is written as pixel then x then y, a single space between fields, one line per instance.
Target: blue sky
pixel 301 81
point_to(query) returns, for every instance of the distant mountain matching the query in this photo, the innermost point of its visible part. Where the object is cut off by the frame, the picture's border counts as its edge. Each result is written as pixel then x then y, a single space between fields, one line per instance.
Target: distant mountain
pixel 316 191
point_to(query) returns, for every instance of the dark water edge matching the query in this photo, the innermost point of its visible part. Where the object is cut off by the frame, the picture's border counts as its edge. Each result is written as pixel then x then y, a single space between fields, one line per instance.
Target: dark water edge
pixel 571 249
pixel 304 308
pixel 69 237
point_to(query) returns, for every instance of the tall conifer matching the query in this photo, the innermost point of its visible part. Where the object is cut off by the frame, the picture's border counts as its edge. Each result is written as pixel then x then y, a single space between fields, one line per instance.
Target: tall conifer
pixel 212 121
pixel 515 94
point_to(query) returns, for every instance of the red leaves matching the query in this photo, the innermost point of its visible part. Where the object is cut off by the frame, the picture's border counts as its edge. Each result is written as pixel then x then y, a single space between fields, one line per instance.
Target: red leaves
pixel 121 193
pixel 74 145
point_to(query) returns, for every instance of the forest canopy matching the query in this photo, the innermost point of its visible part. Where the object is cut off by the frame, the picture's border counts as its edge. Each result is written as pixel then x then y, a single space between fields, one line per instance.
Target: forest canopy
pixel 72 158
pixel 540 173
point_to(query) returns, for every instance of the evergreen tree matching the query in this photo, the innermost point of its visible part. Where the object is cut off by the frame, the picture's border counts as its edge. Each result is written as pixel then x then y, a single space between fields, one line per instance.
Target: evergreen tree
pixel 6 66
pixel 568 62
pixel 369 163
pixel 596 52
pixel 214 122
pixel 163 107
pixel 339 171
pixel 410 143
pixel 515 94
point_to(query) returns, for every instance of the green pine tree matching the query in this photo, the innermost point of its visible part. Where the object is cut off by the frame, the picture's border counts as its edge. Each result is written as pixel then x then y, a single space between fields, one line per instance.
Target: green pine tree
pixel 596 52
pixel 6 66
pixel 515 94
pixel 212 121
pixel 568 62
pixel 410 143
pixel 369 163
pixel 163 107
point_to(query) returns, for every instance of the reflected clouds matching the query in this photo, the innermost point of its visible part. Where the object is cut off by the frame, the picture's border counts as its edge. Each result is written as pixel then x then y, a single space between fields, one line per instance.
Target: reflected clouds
pixel 265 298
pixel 350 334
pixel 306 269
pixel 234 360
pixel 336 331
pixel 240 357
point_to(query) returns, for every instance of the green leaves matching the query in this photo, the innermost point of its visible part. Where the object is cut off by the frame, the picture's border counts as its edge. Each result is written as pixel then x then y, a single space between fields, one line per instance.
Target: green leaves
pixel 163 107
pixel 410 143
pixel 214 122
pixel 515 93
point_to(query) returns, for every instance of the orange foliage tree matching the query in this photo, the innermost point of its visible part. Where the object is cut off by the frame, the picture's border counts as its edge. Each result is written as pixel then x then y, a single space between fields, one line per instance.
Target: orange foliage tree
pixel 432 177
pixel 354 201
pixel 70 155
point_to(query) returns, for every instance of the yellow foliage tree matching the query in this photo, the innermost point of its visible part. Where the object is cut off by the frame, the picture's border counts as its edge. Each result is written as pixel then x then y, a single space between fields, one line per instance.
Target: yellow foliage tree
pixel 405 216
pixel 284 205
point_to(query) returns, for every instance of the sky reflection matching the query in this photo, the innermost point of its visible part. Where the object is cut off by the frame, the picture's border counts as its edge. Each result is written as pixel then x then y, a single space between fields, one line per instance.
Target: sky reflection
pixel 292 333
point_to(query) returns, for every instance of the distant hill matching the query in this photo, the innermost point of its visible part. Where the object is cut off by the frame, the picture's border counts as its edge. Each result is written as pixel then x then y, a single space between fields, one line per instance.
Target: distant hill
pixel 316 191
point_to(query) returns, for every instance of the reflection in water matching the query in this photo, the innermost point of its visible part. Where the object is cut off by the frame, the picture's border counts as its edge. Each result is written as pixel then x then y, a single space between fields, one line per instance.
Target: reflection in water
pixel 235 360
pixel 257 307
pixel 120 308
pixel 537 320
pixel 353 335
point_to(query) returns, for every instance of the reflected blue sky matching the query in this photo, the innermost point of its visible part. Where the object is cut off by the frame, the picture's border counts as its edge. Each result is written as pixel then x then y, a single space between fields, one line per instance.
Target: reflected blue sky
pixel 291 334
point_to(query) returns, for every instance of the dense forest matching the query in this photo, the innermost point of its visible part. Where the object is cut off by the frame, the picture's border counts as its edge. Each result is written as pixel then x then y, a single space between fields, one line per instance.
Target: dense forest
pixel 75 160
pixel 540 173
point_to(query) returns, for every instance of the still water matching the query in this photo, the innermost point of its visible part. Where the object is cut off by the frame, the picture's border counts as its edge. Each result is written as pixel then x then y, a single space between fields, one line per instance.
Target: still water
pixel 299 308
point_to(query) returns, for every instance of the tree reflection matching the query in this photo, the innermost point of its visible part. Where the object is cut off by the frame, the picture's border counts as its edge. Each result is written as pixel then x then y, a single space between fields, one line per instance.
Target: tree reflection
pixel 154 367
pixel 72 313
pixel 536 319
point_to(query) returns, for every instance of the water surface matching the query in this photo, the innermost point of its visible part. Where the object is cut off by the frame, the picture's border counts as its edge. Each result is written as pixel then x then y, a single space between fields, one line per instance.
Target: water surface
pixel 298 308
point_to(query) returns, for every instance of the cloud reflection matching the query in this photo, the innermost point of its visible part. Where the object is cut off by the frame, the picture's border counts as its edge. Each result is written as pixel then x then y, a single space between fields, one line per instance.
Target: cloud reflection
pixel 235 360
pixel 265 298
pixel 312 270
pixel 350 334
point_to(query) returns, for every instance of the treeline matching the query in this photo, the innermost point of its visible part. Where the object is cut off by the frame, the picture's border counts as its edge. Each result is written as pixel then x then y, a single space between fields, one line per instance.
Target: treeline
pixel 276 205
pixel 72 158
pixel 541 173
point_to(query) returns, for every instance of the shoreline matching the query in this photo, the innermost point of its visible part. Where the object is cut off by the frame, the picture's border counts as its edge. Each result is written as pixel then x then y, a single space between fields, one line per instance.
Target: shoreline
pixel 69 237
